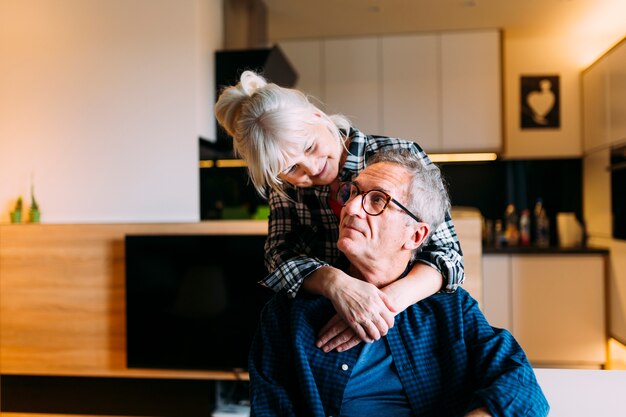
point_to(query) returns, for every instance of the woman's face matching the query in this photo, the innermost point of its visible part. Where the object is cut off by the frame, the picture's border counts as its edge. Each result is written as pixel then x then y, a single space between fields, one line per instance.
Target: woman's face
pixel 315 162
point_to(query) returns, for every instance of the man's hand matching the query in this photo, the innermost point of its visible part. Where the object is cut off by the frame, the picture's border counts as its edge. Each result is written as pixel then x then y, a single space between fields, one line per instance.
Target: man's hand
pixel 337 335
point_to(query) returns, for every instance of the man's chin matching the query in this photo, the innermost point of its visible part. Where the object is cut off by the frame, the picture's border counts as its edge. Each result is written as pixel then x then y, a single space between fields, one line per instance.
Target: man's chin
pixel 347 246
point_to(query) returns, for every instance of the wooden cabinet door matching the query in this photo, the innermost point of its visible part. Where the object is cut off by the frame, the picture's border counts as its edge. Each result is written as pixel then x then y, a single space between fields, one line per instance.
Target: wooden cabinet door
pixel 352 81
pixel 471 91
pixel 558 308
pixel 411 85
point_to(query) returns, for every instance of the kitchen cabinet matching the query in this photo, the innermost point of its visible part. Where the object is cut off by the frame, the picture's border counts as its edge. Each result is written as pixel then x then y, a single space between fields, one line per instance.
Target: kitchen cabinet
pixel 471 105
pixel 442 90
pixel 306 58
pixel 595 106
pixel 597 193
pixel 411 91
pixel 554 304
pixel 604 100
pixel 351 71
pixel 617 93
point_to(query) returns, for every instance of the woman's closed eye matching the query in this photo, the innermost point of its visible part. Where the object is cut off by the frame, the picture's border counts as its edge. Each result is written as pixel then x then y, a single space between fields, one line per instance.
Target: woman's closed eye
pixel 289 170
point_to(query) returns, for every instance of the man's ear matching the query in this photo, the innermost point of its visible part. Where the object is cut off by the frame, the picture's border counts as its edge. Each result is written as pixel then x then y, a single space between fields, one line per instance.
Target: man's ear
pixel 418 237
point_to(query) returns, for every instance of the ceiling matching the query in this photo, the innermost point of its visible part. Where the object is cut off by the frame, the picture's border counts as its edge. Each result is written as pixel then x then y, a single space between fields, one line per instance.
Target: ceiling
pixel 288 19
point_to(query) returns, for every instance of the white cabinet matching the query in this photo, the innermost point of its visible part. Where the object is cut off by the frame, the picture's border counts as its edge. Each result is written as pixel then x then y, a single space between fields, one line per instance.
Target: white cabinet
pixel 553 304
pixel 352 81
pixel 604 100
pixel 442 90
pixel 617 93
pixel 595 106
pixel 471 105
pixel 411 91
pixel 497 290
pixel 597 192
pixel 306 58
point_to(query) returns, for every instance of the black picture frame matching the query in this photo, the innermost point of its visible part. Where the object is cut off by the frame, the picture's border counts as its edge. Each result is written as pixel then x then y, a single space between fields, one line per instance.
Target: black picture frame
pixel 540 102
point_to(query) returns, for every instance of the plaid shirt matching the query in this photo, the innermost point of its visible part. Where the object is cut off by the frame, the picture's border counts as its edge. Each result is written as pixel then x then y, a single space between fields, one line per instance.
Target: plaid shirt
pixel 303 232
pixel 449 361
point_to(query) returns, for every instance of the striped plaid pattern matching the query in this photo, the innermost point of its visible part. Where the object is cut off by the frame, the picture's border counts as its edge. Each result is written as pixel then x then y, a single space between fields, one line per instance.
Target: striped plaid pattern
pixel 448 358
pixel 303 232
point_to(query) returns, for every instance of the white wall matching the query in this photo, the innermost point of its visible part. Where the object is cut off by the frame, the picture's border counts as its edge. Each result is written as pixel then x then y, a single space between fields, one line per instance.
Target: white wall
pixel 102 103
pixel 541 56
pixel 565 53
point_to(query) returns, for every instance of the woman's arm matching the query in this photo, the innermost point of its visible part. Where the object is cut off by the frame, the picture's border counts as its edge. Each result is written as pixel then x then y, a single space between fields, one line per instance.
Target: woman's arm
pixel 367 311
pixel 421 282
pixel 443 253
pixel 288 247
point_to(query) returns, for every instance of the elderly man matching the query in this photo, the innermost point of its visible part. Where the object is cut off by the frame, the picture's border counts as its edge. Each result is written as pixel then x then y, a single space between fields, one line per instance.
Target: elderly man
pixel 440 359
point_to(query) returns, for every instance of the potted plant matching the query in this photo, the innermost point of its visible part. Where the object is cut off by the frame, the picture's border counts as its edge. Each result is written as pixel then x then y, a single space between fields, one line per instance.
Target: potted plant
pixel 34 214
pixel 16 214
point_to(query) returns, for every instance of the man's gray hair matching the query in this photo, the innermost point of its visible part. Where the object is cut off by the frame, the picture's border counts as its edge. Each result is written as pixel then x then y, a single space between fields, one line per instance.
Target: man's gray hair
pixel 427 195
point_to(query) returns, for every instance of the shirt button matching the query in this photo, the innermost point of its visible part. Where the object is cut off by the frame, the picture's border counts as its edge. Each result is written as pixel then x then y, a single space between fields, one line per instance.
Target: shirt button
pixel 344 367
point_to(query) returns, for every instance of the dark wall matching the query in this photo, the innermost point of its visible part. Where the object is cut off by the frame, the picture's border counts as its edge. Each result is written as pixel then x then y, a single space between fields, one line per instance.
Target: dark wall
pixel 490 186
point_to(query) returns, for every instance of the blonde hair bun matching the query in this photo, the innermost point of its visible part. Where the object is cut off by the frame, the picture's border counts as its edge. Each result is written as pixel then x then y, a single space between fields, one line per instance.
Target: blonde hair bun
pixel 251 82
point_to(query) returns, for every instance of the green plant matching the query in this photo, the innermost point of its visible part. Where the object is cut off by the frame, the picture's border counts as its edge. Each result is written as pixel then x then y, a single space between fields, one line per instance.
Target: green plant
pixel 19 204
pixel 34 214
pixel 16 214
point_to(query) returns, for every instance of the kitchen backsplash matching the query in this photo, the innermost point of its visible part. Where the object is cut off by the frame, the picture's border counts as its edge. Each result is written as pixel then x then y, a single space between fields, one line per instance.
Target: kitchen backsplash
pixel 491 186
pixel 488 186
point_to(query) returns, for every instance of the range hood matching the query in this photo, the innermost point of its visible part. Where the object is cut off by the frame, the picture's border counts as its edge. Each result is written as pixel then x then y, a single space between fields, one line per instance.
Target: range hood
pixel 229 64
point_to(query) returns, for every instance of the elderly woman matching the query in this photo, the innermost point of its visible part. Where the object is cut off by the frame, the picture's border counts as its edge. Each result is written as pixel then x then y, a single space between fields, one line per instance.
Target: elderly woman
pixel 300 155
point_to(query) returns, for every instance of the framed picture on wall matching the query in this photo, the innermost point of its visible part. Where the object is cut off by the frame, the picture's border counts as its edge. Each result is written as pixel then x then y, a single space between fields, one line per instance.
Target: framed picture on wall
pixel 540 106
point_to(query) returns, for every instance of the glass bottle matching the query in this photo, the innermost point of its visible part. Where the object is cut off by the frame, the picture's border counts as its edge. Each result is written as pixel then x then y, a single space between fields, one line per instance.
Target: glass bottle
pixel 542 225
pixel 524 227
pixel 511 230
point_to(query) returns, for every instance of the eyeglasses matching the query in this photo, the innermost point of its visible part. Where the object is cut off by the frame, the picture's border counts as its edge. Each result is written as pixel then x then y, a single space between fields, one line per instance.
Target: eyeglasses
pixel 374 202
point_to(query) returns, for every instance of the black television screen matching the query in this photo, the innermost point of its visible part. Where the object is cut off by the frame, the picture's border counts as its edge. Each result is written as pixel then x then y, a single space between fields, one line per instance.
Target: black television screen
pixel 193 301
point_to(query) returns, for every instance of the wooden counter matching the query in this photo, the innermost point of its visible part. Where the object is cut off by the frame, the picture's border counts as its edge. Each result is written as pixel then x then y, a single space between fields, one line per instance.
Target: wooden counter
pixel 62 300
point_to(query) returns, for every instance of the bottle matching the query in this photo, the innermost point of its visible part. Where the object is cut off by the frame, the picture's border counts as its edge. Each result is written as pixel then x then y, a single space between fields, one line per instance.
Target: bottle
pixel 511 230
pixel 524 227
pixel 498 234
pixel 542 225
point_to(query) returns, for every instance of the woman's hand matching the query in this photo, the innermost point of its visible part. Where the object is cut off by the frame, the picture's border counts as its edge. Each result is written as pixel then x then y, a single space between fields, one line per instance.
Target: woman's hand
pixel 362 307
pixel 344 290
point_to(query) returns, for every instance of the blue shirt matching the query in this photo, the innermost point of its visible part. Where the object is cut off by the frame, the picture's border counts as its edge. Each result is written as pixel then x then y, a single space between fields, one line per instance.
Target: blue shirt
pixel 374 387
pixel 449 361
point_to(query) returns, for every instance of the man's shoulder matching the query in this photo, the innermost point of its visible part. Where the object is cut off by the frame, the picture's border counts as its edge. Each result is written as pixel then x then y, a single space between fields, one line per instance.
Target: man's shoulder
pixel 283 308
pixel 456 302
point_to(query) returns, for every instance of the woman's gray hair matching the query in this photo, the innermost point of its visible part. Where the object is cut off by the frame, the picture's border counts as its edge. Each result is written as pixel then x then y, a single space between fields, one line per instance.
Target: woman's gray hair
pixel 262 118
pixel 427 195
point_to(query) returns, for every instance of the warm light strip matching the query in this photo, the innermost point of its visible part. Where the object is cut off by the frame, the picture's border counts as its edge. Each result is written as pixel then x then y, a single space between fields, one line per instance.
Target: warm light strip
pixel 462 157
pixel 435 157
pixel 223 163
pixel 231 163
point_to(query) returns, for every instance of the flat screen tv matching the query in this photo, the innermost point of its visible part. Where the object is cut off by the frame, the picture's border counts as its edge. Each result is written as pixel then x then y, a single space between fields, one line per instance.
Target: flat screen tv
pixel 193 301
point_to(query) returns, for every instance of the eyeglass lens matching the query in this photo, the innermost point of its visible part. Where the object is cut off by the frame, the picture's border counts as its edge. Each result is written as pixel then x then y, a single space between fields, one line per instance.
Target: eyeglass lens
pixel 374 202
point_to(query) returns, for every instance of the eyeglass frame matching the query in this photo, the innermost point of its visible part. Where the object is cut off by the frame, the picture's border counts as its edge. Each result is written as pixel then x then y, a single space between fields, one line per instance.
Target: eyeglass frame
pixel 364 194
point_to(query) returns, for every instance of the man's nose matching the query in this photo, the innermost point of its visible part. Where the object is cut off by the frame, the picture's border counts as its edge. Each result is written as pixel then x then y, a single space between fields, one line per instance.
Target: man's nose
pixel 354 207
